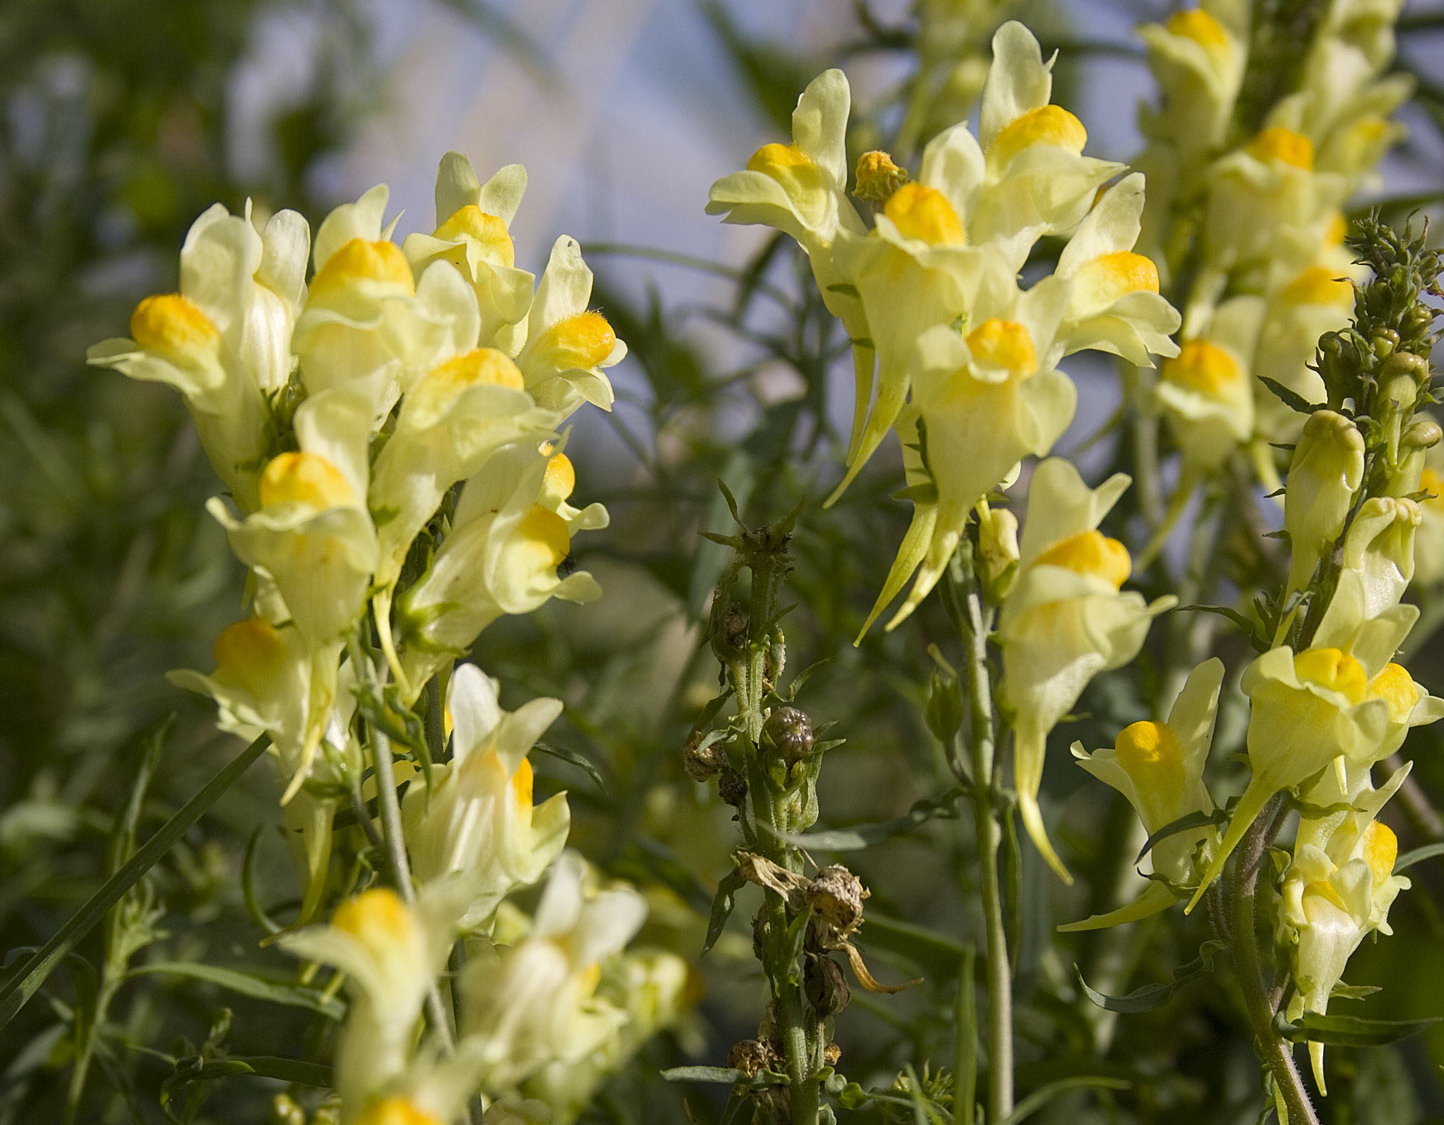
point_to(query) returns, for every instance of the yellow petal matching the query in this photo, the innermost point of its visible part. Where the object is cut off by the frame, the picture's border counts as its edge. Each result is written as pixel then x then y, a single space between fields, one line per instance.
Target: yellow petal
pixel 546 537
pixel 360 260
pixel 251 653
pixel 1005 344
pixel 1319 285
pixel 396 1111
pixel 580 341
pixel 1381 849
pixel 1152 757
pixel 1111 276
pixel 1285 146
pixel 924 213
pixel 480 367
pixel 489 230
pixel 1204 367
pixel 173 327
pixel 1396 688
pixel 304 478
pixel 1198 25
pixel 1045 125
pixel 1092 553
pixel 378 918
pixel 1334 670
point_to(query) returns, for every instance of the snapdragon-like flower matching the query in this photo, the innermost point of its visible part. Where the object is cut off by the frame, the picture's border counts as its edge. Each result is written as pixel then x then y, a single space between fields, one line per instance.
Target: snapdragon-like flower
pixel 504 553
pixel 1324 708
pixel 223 341
pixel 473 233
pixel 1159 768
pixel 369 323
pixel 1337 889
pixel 568 344
pixel 1206 390
pixel 1378 565
pixel 448 426
pixel 1326 470
pixel 536 1003
pixel 391 954
pixel 476 820
pixel 267 681
pixel 1065 621
pixel 981 403
pixel 312 535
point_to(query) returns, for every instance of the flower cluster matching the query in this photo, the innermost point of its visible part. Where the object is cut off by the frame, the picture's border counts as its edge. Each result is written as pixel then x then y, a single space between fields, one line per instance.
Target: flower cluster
pixel 1327 701
pixel 390 434
pixel 949 349
pixel 1252 151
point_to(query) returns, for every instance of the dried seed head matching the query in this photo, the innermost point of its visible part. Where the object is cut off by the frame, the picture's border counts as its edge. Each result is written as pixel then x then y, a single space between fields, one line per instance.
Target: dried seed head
pixel 836 896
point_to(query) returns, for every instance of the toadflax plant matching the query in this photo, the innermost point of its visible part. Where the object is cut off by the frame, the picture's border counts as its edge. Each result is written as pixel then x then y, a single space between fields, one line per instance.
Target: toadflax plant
pixel 832 858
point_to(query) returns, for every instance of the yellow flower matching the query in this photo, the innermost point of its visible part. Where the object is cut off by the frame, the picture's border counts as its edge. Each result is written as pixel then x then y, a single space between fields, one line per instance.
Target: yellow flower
pixel 509 538
pixel 1159 768
pixel 473 235
pixel 476 821
pixel 536 1004
pixel 391 954
pixel 1065 620
pixel 223 341
pixel 567 344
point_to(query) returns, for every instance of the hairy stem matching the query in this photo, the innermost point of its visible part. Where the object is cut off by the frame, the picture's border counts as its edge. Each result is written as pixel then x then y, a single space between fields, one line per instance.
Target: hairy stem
pixel 1260 1001
pixel 977 624
pixel 392 833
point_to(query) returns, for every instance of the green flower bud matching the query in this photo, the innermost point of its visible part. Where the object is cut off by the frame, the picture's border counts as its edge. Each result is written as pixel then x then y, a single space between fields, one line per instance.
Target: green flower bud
pixel 1326 471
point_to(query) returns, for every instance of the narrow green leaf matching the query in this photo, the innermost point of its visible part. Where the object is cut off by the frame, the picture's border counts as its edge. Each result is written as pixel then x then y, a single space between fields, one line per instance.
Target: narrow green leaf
pixel 1152 996
pixel 1292 399
pixel 30 976
pixel 724 1075
pixel 1044 1094
pixel 722 907
pixel 1418 855
pixel 865 835
pixel 574 758
pixel 1182 824
pixel 1350 1031
pixel 247 985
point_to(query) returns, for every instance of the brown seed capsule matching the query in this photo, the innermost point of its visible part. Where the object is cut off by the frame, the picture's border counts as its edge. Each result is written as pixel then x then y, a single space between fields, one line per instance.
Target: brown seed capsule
pixel 831 1055
pixel 825 986
pixel 701 762
pixel 731 787
pixel 836 897
pixel 789 732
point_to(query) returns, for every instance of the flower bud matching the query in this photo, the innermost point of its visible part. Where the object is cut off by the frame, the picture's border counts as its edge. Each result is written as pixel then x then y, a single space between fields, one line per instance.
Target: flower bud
pixel 1326 471
pixel 943 711
pixel 877 177
pixel 997 551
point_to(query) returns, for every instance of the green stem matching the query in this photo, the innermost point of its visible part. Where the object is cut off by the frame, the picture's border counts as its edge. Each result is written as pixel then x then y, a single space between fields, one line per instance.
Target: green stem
pixel 395 839
pixel 1259 1004
pixel 797 1032
pixel 977 626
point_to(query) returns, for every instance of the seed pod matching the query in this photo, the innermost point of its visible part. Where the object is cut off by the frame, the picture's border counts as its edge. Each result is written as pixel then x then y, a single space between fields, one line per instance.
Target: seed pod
pixel 835 896
pixel 789 732
pixel 731 787
pixel 701 762
pixel 825 985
